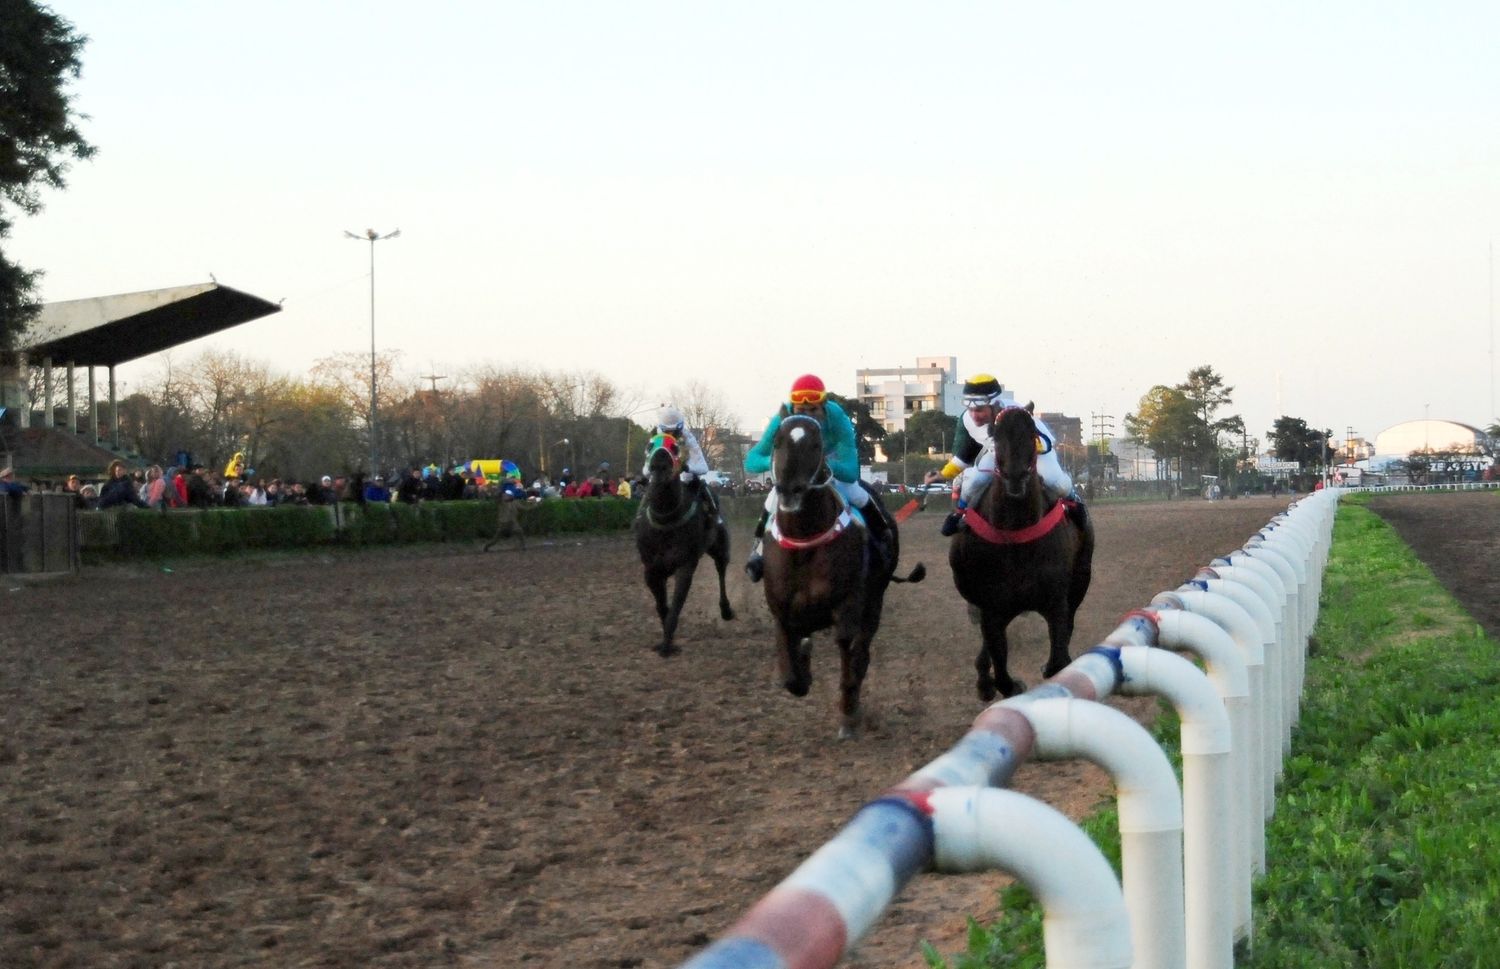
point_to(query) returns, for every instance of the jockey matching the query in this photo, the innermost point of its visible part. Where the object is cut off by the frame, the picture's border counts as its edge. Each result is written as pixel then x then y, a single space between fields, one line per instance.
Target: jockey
pixel 809 396
pixel 974 458
pixel 669 420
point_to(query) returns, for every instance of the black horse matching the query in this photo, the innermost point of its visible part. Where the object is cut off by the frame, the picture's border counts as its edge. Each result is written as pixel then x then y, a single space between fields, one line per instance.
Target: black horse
pixel 822 568
pixel 1020 553
pixel 673 529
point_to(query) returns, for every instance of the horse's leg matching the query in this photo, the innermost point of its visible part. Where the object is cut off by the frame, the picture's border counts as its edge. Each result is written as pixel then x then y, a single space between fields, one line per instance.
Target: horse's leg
pixel 718 550
pixel 794 659
pixel 854 654
pixel 656 581
pixel 993 657
pixel 1059 632
pixel 681 585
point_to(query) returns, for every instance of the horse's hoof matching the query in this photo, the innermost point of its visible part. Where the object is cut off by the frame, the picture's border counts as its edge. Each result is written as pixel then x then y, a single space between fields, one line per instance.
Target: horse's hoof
pixel 847 732
pixel 1051 670
pixel 667 649
pixel 726 611
pixel 986 692
pixel 797 689
pixel 1016 688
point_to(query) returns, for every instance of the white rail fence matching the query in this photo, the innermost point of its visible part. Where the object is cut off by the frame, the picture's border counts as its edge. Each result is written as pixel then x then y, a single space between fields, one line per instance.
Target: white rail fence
pixel 1188 853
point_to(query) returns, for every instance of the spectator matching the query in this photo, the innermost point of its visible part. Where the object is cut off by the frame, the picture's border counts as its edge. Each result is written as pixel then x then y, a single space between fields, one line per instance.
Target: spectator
pixel 119 491
pixel 409 490
pixel 89 496
pixel 8 483
pixel 622 487
pixel 376 491
pixel 199 493
pixel 175 492
pixel 236 467
pixel 154 493
pixel 74 486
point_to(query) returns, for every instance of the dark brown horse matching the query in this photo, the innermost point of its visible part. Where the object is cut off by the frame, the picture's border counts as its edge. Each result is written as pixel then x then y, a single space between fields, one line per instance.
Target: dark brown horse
pixel 673 529
pixel 1020 553
pixel 822 569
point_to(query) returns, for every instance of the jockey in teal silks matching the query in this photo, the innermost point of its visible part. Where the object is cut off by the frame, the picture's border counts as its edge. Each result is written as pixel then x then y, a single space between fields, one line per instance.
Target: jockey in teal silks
pixel 809 396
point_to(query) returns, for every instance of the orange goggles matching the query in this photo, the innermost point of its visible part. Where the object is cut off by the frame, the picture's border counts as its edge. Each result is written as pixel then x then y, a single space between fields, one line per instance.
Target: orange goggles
pixel 809 396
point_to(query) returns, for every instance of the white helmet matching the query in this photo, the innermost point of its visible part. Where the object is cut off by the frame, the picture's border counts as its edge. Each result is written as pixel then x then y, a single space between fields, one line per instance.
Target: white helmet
pixel 669 419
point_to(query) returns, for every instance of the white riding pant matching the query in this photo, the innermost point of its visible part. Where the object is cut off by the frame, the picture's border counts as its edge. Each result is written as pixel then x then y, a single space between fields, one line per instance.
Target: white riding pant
pixel 852 491
pixel 1056 482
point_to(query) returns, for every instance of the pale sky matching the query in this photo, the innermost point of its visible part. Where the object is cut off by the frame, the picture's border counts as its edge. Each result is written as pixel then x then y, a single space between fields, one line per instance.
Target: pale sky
pixel 1084 199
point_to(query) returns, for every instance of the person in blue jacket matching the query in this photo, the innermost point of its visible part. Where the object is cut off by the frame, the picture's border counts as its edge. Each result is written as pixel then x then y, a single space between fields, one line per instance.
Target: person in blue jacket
pixel 809 396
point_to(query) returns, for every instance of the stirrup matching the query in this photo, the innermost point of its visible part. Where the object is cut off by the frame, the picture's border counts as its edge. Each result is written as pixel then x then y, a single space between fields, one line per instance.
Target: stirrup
pixel 755 568
pixel 951 524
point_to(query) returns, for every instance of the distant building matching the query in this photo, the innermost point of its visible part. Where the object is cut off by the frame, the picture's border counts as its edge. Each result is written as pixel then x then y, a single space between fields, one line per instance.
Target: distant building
pixel 1427 435
pixel 895 393
pixel 1069 443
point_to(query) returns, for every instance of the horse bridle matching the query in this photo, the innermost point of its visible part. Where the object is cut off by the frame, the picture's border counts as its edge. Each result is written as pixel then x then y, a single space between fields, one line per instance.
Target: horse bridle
pixel 1035 450
pixel 686 514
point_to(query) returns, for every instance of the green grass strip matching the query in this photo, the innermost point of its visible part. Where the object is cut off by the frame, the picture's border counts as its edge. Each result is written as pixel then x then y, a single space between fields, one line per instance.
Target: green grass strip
pixel 1384 850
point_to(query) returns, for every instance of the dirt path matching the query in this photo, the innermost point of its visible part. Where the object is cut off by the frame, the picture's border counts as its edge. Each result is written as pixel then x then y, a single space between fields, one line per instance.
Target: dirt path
pixel 443 758
pixel 1457 533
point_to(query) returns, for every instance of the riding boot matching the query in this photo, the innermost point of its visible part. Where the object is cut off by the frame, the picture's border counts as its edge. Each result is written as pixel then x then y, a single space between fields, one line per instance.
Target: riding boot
pixel 875 520
pixel 955 519
pixel 756 566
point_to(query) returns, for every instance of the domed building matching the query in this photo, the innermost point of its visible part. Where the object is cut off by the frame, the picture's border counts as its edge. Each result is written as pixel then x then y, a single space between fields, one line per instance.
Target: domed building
pixel 1401 439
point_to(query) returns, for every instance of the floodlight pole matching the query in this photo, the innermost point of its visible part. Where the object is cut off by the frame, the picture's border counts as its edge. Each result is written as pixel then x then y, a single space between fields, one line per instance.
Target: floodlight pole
pixel 373 237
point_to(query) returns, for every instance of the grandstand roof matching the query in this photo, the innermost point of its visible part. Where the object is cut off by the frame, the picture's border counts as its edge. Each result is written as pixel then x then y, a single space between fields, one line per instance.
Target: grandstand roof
pixel 104 331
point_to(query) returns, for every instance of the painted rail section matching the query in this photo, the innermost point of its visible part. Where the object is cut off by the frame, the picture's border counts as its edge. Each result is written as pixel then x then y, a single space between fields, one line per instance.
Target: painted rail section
pixel 1188 854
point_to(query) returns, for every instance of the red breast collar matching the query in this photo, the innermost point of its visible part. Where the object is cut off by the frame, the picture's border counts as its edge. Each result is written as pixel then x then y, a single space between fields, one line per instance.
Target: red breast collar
pixel 839 524
pixel 1019 536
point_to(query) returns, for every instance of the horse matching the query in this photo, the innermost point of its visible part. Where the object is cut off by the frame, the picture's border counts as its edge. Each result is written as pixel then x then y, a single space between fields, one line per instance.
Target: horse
pixel 1018 554
pixel 823 569
pixel 673 529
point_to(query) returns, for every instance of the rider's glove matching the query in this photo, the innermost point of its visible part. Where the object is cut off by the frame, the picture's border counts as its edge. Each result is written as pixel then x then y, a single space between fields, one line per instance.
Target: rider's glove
pixel 687 477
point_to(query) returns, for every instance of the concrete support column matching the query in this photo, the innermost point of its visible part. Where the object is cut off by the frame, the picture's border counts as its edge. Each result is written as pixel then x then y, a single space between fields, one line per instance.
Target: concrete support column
pixel 72 410
pixel 93 408
pixel 114 412
pixel 47 420
pixel 23 380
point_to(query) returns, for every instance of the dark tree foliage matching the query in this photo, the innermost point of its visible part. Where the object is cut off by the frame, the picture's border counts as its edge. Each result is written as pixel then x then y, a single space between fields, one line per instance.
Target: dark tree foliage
pixel 867 430
pixel 1292 440
pixel 39 54
pixel 924 429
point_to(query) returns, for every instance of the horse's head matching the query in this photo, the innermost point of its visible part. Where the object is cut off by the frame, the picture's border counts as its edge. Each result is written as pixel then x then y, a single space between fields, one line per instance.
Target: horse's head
pixel 665 454
pixel 797 460
pixel 1016 445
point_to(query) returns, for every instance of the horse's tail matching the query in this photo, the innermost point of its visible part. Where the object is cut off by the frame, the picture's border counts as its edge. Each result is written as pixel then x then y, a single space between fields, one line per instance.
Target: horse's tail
pixel 916 575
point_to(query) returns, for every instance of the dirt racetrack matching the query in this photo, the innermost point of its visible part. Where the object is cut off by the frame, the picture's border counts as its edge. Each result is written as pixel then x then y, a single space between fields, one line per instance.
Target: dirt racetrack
pixel 1457 534
pixel 436 757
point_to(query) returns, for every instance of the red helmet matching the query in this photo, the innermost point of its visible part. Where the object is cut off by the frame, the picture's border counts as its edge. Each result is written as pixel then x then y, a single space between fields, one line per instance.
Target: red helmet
pixel 808 389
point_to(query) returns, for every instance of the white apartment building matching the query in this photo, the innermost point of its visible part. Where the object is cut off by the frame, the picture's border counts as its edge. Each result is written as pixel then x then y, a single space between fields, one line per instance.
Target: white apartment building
pixel 895 393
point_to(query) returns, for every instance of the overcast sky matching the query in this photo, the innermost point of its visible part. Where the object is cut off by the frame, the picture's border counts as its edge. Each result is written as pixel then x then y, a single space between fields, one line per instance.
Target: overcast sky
pixel 1085 199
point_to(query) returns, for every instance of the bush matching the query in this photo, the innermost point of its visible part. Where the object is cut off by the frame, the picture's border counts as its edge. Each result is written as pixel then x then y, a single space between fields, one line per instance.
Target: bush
pixel 131 533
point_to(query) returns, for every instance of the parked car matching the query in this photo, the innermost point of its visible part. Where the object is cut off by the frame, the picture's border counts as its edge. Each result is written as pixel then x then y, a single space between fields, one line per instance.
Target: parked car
pixel 935 488
pixel 718 479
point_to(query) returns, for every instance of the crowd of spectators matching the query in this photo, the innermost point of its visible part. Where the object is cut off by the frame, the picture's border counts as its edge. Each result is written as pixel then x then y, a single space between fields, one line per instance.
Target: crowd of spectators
pixel 164 488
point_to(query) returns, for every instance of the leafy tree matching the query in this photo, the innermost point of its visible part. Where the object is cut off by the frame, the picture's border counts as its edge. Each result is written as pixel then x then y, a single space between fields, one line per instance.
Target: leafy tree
pixel 867 430
pixel 1292 440
pixel 39 54
pixel 1180 422
pixel 1163 421
pixel 1204 390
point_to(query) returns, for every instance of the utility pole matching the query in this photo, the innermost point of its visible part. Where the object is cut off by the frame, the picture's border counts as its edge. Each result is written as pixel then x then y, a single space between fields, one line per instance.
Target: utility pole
pixel 1102 427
